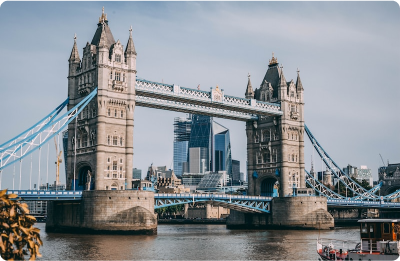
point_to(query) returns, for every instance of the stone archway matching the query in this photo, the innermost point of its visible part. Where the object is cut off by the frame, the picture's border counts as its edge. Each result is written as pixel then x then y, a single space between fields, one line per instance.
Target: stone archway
pixel 114 186
pixel 269 187
pixel 83 178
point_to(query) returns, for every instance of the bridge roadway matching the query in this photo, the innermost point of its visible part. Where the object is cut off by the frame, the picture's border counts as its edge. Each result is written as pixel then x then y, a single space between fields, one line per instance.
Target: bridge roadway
pixel 252 204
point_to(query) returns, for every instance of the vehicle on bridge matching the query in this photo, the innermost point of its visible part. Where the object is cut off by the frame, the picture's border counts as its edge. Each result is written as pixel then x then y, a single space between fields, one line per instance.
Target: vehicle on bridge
pixel 379 240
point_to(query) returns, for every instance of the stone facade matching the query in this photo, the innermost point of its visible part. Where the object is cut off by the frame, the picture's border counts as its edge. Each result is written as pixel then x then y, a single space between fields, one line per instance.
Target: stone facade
pixel 116 212
pixel 104 131
pixel 275 145
pixel 287 213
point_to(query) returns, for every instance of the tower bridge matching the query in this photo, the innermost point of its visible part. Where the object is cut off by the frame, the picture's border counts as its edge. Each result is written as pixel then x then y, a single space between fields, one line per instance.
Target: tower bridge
pixel 103 91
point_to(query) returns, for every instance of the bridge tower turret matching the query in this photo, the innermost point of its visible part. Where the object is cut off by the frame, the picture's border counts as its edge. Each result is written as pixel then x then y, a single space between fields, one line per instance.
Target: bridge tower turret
pixel 275 145
pixel 104 131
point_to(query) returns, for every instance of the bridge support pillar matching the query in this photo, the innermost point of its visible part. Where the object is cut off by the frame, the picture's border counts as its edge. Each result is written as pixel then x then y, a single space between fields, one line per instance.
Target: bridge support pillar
pixel 106 212
pixel 287 213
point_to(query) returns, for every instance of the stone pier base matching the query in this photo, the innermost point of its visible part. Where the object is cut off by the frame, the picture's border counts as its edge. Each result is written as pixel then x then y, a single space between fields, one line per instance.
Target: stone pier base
pixel 104 212
pixel 287 213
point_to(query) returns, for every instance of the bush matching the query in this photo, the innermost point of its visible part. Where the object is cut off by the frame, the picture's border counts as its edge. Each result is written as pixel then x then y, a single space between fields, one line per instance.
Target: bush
pixel 18 237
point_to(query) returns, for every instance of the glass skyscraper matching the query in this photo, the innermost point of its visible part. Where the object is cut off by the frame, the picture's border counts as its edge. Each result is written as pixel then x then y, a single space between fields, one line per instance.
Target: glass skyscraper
pixel 182 127
pixel 201 145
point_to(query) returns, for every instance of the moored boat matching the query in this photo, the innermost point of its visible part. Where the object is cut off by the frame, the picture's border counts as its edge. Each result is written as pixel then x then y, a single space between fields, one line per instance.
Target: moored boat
pixel 379 240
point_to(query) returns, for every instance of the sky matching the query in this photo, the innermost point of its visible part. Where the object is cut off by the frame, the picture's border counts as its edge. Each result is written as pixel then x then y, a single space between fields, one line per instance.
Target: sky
pixel 347 52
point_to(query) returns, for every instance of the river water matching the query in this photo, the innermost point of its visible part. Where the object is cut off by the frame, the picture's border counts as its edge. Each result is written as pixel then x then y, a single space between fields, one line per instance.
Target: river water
pixel 191 242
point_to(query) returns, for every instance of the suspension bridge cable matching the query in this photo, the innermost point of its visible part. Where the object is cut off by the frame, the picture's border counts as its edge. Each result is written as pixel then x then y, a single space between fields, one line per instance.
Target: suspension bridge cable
pixel 30 175
pixel 76 119
pixel 40 154
pixel 20 173
pixel 47 175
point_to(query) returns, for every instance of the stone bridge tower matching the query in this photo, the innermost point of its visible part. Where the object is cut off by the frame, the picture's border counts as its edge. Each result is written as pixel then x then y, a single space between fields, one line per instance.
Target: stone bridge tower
pixel 275 145
pixel 104 131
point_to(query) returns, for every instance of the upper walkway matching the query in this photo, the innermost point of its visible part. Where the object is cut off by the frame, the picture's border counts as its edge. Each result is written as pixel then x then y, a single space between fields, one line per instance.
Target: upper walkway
pixel 212 103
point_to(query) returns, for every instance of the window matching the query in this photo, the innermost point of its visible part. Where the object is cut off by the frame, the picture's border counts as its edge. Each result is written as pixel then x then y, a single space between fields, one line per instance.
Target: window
pixel 123 77
pixel 291 94
pixel 115 140
pixel 84 140
pixel 108 142
pixel 93 113
pixel 289 158
pixel 259 159
pixel 386 228
pixel 115 113
pixel 111 75
pixel 118 58
pixel 122 113
pixel 117 76
pixel 108 160
pixel 292 107
pixel 109 112
pixel 256 139
pixel 106 187
pixel 266 157
pixel 266 137
pixel 120 161
pixel 115 169
pixel 120 142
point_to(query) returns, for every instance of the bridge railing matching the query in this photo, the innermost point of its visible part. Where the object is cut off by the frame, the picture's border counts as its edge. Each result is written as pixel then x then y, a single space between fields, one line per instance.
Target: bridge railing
pixel 211 196
pixel 204 97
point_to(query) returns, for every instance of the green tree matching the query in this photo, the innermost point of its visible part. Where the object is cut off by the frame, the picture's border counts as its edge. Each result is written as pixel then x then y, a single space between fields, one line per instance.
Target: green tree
pixel 18 237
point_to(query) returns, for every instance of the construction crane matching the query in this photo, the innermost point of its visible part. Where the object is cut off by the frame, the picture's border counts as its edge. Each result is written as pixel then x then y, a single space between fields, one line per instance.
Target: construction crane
pixel 382 160
pixel 59 160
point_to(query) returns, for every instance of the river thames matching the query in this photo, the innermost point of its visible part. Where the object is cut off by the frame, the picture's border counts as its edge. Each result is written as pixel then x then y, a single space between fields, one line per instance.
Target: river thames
pixel 192 242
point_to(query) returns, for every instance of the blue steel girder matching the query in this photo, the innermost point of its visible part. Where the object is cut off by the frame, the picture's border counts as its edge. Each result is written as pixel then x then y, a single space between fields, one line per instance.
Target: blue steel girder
pixel 335 169
pixel 328 193
pixel 37 127
pixel 182 98
pixel 249 204
pixel 17 151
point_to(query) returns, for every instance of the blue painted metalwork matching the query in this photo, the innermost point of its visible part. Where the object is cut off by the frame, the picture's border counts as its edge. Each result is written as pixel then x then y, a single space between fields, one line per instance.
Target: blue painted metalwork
pixel 40 124
pixel 251 204
pixel 23 148
pixel 342 177
pixel 46 195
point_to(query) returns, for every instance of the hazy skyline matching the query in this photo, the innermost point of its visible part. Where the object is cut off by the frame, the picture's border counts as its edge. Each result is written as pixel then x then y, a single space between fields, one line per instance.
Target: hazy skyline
pixel 347 53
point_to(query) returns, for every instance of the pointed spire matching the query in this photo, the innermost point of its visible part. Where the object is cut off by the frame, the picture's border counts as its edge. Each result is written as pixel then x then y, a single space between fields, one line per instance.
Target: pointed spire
pixel 273 61
pixel 103 36
pixel 299 85
pixel 249 91
pixel 130 47
pixel 103 17
pixel 74 57
pixel 282 79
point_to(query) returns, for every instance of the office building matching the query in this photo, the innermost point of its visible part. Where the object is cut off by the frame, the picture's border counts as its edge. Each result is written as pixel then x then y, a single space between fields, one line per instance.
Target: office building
pixel 182 131
pixel 136 173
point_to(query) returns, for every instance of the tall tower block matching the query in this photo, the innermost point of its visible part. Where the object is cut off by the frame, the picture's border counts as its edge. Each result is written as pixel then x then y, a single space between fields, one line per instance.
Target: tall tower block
pixel 275 145
pixel 103 133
